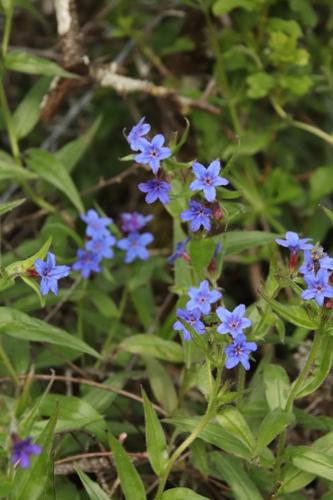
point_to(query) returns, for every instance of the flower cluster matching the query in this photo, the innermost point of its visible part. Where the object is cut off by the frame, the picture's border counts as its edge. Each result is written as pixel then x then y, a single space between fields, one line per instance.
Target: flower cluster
pixel 316 269
pixel 98 246
pixel 151 154
pixel 233 323
pixel 134 244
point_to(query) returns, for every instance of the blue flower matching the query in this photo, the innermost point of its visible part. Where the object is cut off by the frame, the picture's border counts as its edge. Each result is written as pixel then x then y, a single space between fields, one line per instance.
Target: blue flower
pixel 207 179
pixel 102 246
pixel 131 222
pixel 135 246
pixel 50 274
pixel 22 450
pixel 318 287
pixel 198 215
pixel 232 322
pixel 202 298
pixel 294 242
pixel 326 263
pixel 239 352
pixel 179 252
pixel 152 153
pixel 87 262
pixel 96 225
pixel 192 318
pixel 136 134
pixel 308 265
pixel 156 189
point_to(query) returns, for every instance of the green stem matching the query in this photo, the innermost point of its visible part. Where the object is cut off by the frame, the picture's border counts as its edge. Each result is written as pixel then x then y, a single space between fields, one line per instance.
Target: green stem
pixel 240 385
pixel 293 395
pixel 7 363
pixel 7 28
pixel 194 434
pixel 9 124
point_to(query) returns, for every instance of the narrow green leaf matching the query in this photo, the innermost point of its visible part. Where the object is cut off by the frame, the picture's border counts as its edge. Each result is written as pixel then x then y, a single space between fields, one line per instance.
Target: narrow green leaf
pixel 93 490
pixel 276 383
pixel 19 325
pixel 233 422
pixel 296 315
pixel 10 171
pixel 130 480
pixel 155 438
pixel 51 170
pixel 161 384
pixel 25 62
pixel 33 284
pixel 21 266
pixel 153 346
pixel 7 207
pixel 272 425
pixel 238 241
pixel 230 469
pixel 315 462
pixel 182 494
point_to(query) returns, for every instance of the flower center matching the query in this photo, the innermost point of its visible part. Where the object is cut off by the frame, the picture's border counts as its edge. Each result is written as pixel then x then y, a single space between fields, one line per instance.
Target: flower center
pixel 208 181
pixel 319 288
pixel 238 350
pixel 234 324
pixel 202 299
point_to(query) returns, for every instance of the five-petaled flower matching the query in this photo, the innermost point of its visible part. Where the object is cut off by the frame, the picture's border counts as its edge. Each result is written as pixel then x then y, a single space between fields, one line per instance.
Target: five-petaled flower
pixel 180 252
pixel 239 352
pixel 96 225
pixel 136 134
pixel 102 246
pixel 156 189
pixel 207 179
pixel 232 322
pixel 192 318
pixel 87 262
pixel 202 298
pixel 318 287
pixel 294 242
pixel 50 273
pixel 22 449
pixel 133 221
pixel 152 153
pixel 135 246
pixel 198 215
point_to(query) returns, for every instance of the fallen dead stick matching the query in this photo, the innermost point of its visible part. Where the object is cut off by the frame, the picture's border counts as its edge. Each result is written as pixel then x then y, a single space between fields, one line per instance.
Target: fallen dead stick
pixel 92 383
pixel 91 462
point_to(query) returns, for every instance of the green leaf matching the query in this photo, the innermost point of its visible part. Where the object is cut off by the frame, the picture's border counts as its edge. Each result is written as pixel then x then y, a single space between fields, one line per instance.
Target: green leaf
pixel 201 253
pixel 51 170
pixel 277 386
pixel 329 213
pixel 155 438
pixel 233 422
pixel 182 494
pixel 19 325
pixel 27 113
pixel 30 282
pixel 10 170
pixel 260 84
pixel 93 489
pixel 25 62
pixel 34 484
pixel 130 480
pixel 237 241
pixel 153 346
pixel 22 266
pixel 70 154
pixel 224 6
pixel 230 469
pixel 272 425
pixel 321 183
pixel 7 207
pixel 296 315
pixel 315 462
pixel 161 384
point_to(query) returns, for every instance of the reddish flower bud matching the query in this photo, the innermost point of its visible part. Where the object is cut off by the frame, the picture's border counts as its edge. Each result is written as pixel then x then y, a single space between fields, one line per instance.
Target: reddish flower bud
pixel 293 262
pixel 328 304
pixel 32 273
pixel 217 212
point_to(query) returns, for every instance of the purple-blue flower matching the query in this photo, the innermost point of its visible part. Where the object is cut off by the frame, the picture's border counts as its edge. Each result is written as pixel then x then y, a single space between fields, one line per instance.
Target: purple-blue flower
pixel 87 262
pixel 152 153
pixel 96 225
pixel 308 265
pixel 50 274
pixel 156 189
pixel 180 252
pixel 198 215
pixel 294 242
pixel 102 246
pixel 202 298
pixel 233 322
pixel 131 222
pixel 136 134
pixel 326 263
pixel 239 352
pixel 135 246
pixel 318 287
pixel 22 450
pixel 192 318
pixel 207 179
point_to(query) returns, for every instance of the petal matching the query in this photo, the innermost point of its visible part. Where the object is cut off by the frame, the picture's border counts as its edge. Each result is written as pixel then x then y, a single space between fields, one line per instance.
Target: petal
pixel 214 296
pixel 283 243
pixel 223 313
pixel 146 238
pixel 221 181
pixel 144 187
pixel 51 260
pixel 231 362
pixel 44 286
pixel 187 215
pixel 40 266
pixel 165 153
pixel 198 169
pixel 239 310
pixel 214 168
pixel 151 197
pixel 210 193
pixel 223 329
pixel 308 294
pixel 196 185
pixel 158 141
pixel 154 164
